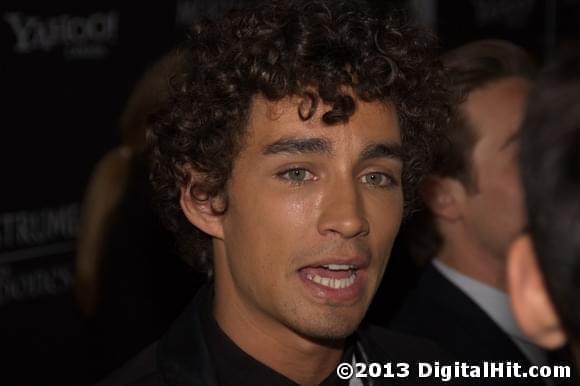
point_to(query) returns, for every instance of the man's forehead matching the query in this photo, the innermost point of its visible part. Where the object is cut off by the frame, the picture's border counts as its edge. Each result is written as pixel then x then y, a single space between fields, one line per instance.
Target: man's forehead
pixel 271 121
pixel 494 112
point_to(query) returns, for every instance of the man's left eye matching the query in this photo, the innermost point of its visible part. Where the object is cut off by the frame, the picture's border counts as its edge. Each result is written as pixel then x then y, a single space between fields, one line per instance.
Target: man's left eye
pixel 378 179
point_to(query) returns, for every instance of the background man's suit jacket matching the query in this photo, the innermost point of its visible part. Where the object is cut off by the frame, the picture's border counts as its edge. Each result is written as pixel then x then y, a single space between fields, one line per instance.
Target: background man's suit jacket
pixel 438 310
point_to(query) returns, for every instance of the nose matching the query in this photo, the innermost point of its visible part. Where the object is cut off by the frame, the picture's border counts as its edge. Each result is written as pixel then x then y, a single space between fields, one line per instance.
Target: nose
pixel 342 212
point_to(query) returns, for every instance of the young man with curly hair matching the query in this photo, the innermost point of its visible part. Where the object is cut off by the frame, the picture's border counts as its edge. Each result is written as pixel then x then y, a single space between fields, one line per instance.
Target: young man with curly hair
pixel 285 162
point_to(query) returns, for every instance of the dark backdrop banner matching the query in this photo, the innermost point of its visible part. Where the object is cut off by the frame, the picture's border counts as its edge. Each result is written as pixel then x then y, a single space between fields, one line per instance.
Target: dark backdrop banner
pixel 66 71
pixel 67 68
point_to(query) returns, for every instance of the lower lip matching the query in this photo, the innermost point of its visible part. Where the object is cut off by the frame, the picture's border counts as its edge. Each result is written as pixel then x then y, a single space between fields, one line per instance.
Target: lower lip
pixel 337 295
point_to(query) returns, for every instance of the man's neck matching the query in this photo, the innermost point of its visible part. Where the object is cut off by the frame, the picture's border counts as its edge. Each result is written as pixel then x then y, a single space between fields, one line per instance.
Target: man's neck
pixel 474 262
pixel 300 359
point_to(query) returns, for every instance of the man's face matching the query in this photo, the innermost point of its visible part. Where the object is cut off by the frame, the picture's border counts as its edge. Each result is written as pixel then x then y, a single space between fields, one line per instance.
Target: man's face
pixel 494 213
pixel 312 216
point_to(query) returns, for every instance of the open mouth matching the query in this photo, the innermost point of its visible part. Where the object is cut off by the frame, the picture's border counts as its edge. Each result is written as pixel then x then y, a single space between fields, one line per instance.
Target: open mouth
pixel 336 279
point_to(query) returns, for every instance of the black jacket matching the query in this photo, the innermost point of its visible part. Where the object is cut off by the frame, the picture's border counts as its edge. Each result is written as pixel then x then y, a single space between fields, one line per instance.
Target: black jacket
pixel 181 357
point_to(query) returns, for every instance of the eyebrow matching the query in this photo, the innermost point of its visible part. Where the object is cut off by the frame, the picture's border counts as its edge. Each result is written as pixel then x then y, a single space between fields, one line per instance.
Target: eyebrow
pixel 294 145
pixel 382 150
pixel 299 146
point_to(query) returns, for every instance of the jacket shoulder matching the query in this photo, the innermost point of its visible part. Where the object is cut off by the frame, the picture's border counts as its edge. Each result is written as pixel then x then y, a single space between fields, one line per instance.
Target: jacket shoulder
pixel 139 371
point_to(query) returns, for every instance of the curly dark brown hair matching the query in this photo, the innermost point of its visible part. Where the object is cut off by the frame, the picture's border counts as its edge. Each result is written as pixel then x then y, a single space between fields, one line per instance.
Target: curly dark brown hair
pixel 320 51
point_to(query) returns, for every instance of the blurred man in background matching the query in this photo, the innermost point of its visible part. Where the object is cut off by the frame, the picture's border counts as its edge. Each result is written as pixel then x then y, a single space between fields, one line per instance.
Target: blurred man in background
pixel 474 210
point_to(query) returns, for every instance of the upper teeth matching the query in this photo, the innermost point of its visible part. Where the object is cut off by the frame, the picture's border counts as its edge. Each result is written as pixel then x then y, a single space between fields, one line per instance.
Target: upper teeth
pixel 333 283
pixel 338 267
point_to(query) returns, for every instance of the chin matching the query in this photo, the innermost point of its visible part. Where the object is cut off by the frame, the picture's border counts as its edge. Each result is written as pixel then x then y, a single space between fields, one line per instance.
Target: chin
pixel 331 327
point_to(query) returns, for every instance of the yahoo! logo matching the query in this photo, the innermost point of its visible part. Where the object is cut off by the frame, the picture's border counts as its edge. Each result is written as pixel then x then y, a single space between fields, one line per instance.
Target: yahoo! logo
pixel 46 34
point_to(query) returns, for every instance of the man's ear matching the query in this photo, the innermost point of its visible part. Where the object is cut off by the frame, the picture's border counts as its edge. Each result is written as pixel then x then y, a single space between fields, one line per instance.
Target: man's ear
pixel 531 303
pixel 202 210
pixel 443 196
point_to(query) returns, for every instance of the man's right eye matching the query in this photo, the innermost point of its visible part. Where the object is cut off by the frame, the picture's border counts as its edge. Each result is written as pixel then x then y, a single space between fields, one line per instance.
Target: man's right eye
pixel 296 175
